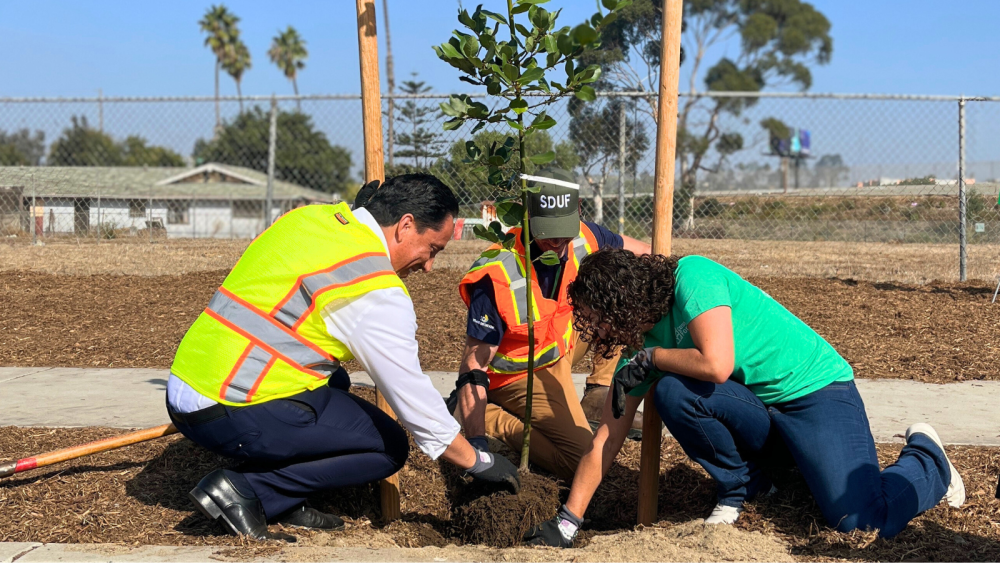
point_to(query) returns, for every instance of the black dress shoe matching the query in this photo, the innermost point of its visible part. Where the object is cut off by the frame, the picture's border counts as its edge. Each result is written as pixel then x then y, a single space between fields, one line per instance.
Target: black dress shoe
pixel 307 517
pixel 217 498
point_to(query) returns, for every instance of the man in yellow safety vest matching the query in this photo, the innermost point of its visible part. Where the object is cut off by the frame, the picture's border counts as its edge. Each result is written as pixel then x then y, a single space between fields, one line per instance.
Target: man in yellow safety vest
pixel 258 376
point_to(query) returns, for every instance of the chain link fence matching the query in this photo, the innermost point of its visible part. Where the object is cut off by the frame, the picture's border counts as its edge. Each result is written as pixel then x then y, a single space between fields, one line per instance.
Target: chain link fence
pixel 780 169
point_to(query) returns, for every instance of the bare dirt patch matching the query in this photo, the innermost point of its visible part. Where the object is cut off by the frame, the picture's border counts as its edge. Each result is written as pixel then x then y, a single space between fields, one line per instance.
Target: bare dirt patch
pixel 938 332
pixel 137 496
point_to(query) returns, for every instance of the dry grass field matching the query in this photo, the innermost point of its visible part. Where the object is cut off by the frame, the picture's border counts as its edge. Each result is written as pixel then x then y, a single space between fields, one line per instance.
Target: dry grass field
pixel 875 262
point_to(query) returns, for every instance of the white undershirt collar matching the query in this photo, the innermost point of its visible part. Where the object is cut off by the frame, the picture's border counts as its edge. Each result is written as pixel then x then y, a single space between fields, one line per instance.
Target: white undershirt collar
pixel 366 219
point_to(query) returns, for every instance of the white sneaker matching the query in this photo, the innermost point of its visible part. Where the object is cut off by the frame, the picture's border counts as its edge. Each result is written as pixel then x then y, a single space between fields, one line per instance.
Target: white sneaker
pixel 956 488
pixel 723 514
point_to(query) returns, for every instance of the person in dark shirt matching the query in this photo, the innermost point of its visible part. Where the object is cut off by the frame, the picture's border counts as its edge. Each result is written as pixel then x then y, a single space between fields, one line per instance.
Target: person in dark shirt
pixel 492 386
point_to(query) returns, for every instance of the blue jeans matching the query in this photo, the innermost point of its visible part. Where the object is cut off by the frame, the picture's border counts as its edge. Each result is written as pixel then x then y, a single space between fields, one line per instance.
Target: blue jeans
pixel 317 440
pixel 729 431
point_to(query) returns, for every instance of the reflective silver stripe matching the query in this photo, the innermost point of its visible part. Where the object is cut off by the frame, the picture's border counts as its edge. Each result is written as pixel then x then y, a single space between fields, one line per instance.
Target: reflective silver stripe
pixel 248 372
pixel 292 311
pixel 518 283
pixel 505 365
pixel 507 258
pixel 259 325
pixel 580 248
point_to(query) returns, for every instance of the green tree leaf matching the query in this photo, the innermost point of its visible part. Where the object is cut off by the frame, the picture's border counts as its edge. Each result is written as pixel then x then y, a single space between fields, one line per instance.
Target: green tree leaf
pixel 587 94
pixel 518 105
pixel 494 16
pixel 483 233
pixel 542 121
pixel 549 258
pixel 531 75
pixel 510 213
pixel 453 123
pixel 543 158
pixel 584 34
pixel 609 4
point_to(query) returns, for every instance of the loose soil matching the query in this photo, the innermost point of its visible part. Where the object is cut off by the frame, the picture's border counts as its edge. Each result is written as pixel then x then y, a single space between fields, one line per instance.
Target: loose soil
pixel 137 496
pixel 937 332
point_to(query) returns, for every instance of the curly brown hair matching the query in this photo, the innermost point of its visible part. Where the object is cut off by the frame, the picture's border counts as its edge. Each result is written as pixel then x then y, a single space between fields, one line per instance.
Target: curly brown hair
pixel 622 293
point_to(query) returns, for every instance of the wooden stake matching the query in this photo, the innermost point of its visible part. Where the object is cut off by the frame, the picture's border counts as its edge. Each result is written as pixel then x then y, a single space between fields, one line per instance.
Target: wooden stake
pixel 663 210
pixel 371 110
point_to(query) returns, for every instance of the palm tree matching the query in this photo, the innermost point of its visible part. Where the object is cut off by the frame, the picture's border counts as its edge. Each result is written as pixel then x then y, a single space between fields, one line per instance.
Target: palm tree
pixel 220 26
pixel 236 63
pixel 288 52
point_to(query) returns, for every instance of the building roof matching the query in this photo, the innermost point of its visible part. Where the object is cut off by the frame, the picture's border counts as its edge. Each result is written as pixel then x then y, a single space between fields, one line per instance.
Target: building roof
pixel 208 181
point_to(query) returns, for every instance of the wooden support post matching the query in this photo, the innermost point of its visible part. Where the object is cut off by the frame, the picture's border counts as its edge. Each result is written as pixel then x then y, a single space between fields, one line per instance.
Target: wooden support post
pixel 663 210
pixel 371 109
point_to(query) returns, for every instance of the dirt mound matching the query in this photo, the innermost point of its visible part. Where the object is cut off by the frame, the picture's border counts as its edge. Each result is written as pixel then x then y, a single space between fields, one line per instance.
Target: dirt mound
pixel 500 519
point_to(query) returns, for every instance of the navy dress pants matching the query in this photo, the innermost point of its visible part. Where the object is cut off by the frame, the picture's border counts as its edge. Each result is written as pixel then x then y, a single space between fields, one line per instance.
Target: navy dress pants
pixel 730 432
pixel 317 440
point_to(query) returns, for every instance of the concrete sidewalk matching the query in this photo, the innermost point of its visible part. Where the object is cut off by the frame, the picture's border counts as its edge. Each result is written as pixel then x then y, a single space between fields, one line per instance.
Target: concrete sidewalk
pixel 963 413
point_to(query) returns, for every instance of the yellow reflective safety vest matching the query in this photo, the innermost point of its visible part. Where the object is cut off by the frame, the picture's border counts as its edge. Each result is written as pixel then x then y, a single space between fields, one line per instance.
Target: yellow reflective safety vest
pixel 553 317
pixel 261 336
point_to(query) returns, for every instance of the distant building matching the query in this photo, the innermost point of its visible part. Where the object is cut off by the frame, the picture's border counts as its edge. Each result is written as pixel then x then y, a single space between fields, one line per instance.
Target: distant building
pixel 210 201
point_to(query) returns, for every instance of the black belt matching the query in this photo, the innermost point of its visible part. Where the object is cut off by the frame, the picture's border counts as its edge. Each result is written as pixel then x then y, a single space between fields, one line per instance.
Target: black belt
pixel 214 412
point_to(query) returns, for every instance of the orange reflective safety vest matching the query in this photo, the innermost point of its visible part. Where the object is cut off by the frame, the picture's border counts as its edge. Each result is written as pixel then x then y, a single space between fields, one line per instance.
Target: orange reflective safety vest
pixel 262 336
pixel 553 317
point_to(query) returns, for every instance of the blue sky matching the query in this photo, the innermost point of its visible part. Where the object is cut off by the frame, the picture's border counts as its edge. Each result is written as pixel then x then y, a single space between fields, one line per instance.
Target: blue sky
pixel 149 48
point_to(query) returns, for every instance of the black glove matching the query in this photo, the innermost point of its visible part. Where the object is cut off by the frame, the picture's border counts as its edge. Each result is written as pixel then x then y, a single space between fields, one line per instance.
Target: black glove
pixel 480 443
pixel 495 469
pixel 365 194
pixel 557 532
pixel 629 377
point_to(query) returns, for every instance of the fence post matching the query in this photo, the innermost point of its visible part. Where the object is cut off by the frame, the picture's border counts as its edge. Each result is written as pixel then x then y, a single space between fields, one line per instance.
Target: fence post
pixel 149 227
pixel 621 168
pixel 34 210
pixel 272 141
pixel 98 230
pixel 962 242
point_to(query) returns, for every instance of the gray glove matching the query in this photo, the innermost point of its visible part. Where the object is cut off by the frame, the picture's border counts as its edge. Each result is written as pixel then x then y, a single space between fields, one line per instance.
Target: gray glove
pixel 495 469
pixel 629 377
pixel 557 532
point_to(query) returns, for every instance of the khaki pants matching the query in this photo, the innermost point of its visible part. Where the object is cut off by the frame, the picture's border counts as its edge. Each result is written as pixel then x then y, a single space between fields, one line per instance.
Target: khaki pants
pixel 559 430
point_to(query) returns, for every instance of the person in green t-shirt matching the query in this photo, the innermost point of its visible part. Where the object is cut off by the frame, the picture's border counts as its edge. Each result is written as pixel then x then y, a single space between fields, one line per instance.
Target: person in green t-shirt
pixel 738 381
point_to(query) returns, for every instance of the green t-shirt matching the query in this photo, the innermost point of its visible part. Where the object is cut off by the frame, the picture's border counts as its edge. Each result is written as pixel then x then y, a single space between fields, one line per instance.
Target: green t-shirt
pixel 778 357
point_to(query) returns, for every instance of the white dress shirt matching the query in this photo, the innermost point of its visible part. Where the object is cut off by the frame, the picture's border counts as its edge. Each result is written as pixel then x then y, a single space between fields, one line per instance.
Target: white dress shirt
pixel 380 329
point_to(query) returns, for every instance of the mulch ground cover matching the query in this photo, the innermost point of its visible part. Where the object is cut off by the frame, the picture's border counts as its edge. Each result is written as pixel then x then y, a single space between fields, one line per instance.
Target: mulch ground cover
pixel 138 495
pixel 940 332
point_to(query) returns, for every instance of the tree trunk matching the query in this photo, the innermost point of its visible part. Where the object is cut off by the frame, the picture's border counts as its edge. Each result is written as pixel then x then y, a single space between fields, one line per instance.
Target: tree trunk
pixel 391 79
pixel 218 118
pixel 295 88
pixel 598 202
pixel 239 95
